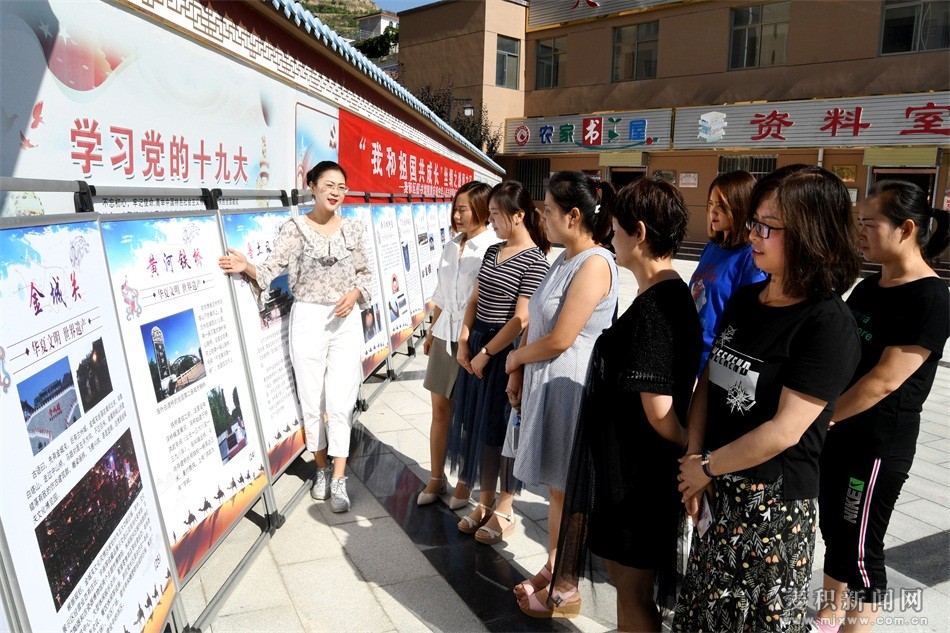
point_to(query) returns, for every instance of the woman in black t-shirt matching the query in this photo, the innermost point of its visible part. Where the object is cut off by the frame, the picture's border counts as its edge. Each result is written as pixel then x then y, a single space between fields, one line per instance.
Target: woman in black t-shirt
pixel 786 349
pixel 903 318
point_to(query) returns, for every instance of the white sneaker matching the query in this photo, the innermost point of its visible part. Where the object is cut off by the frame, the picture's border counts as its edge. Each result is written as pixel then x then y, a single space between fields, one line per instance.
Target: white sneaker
pixel 339 501
pixel 321 484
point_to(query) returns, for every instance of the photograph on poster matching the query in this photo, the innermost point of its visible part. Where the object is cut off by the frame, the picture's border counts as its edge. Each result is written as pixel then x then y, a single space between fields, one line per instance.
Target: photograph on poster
pixel 405 255
pixel 49 403
pixel 370 324
pixel 228 422
pixel 277 302
pixel 423 239
pixel 315 138
pixel 73 533
pixel 92 376
pixel 397 302
pixel 174 353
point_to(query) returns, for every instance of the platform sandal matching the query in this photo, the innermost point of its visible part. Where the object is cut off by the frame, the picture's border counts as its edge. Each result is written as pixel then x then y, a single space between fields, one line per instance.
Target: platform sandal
pixel 470 525
pixel 536 583
pixel 490 536
pixel 566 605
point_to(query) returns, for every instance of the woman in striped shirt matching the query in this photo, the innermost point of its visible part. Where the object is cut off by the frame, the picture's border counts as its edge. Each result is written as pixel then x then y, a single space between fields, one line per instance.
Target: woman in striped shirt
pixel 496 314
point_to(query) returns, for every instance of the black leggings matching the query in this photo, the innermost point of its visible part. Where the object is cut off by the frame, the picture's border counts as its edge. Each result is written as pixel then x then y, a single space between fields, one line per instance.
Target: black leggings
pixel 856 497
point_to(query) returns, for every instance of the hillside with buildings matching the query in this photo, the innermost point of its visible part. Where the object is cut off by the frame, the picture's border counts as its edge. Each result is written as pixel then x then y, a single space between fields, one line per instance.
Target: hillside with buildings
pixel 340 15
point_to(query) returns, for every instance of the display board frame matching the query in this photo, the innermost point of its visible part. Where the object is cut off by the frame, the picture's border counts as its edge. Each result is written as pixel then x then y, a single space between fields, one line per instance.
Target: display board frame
pixel 98 398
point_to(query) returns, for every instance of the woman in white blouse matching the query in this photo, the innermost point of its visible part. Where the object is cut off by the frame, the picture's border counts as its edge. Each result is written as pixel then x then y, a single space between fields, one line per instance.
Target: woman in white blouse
pixel 329 273
pixel 458 271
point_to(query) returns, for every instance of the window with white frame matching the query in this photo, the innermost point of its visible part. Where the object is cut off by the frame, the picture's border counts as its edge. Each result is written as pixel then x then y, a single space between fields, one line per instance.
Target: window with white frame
pixel 506 69
pixel 912 26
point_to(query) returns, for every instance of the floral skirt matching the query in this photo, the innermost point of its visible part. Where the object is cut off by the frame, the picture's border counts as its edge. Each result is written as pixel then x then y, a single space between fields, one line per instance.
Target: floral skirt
pixel 751 570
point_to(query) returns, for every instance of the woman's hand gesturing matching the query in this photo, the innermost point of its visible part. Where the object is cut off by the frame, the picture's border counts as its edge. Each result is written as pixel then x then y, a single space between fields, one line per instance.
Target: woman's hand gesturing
pixel 233 262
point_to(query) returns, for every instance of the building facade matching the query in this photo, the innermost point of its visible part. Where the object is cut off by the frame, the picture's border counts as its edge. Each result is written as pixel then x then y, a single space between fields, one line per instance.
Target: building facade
pixel 376 24
pixel 686 90
pixel 477 46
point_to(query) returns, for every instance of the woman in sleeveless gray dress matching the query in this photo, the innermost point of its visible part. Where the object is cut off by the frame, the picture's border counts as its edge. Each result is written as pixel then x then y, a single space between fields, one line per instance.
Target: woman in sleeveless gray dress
pixel 576 301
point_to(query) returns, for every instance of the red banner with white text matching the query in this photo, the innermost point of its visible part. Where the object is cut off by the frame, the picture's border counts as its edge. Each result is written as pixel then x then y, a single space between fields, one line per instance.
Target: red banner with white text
pixel 377 160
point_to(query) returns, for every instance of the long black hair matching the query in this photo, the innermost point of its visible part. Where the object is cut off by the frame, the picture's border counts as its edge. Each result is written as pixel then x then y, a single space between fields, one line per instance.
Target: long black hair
pixel 594 200
pixel 901 201
pixel 511 197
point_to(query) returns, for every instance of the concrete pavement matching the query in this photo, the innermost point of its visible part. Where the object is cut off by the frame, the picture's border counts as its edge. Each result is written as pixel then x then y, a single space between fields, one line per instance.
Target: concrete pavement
pixel 387 565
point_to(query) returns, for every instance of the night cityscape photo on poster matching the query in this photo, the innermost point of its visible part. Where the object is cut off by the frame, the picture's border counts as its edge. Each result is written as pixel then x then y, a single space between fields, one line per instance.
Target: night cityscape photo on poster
pixel 84 534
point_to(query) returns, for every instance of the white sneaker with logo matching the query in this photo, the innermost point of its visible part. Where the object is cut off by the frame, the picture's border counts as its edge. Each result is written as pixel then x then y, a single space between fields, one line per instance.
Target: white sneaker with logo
pixel 339 501
pixel 321 484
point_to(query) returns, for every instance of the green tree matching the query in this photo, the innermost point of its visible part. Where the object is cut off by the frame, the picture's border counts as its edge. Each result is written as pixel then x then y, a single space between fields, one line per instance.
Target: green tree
pixel 381 45
pixel 219 410
pixel 476 129
pixel 236 412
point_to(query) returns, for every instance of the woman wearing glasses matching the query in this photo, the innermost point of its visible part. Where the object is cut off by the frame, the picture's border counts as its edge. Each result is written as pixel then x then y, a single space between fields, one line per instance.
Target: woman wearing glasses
pixel 726 263
pixel 329 273
pixel 786 348
pixel 903 315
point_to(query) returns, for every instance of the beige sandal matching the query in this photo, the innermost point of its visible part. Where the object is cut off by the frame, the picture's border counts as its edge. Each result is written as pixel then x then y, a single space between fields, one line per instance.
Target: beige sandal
pixel 425 498
pixel 470 525
pixel 490 536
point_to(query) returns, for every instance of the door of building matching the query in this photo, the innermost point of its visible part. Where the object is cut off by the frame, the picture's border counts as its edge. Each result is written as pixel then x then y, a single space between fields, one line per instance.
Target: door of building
pixel 923 177
pixel 620 176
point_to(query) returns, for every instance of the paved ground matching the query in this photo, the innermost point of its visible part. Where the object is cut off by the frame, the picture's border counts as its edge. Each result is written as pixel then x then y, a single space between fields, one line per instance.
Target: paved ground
pixel 388 565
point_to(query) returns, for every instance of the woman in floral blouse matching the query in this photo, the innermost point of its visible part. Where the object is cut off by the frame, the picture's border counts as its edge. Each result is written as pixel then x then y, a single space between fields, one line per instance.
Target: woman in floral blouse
pixel 329 273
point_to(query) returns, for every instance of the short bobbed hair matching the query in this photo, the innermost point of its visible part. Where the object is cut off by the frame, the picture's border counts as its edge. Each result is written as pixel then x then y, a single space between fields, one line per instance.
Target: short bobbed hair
pixel 821 254
pixel 659 205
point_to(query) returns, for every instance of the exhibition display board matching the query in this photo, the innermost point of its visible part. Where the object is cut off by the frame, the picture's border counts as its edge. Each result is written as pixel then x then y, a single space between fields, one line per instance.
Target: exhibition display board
pixel 376 345
pixel 393 265
pixel 156 393
pixel 78 509
pixel 177 322
pixel 150 426
pixel 410 253
pixel 428 260
pixel 265 327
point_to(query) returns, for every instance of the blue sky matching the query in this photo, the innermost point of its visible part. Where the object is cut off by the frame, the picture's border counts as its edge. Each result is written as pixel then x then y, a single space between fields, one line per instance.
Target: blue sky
pixel 32 386
pixel 395 6
pixel 180 332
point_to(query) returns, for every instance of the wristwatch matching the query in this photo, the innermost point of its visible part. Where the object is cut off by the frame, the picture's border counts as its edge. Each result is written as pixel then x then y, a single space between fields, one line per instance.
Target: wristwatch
pixel 484 351
pixel 704 462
